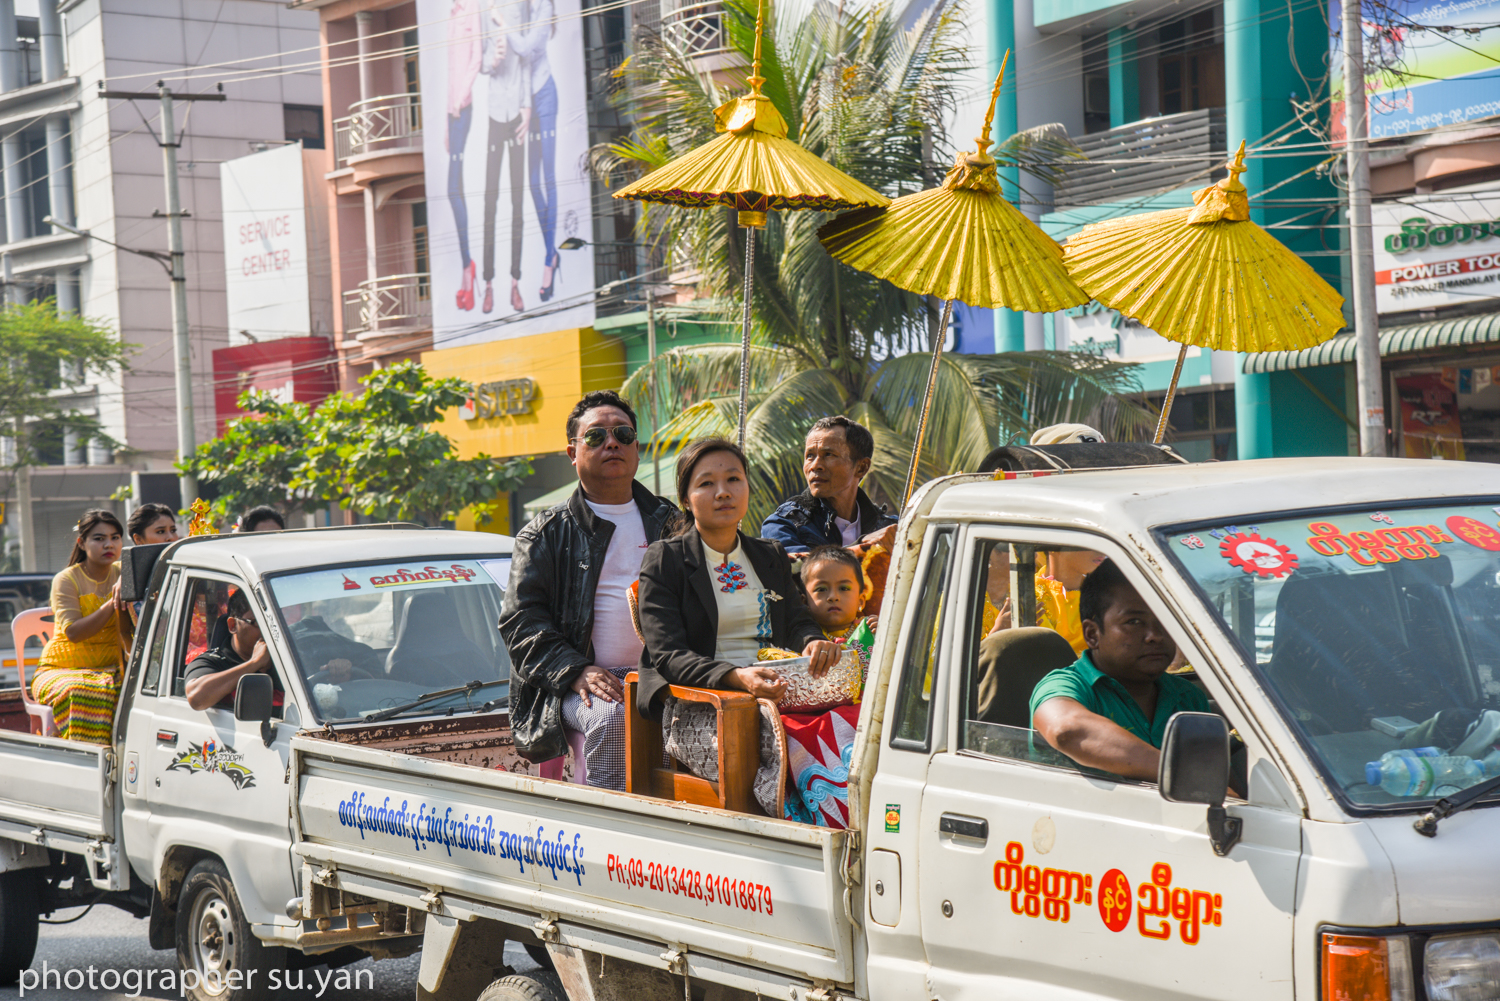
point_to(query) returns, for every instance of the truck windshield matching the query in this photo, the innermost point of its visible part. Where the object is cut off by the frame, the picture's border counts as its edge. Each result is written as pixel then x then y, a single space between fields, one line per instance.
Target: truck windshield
pixel 1377 632
pixel 375 636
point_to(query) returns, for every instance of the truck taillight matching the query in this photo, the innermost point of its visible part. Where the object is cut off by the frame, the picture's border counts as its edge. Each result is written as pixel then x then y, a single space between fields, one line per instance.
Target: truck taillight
pixel 1366 968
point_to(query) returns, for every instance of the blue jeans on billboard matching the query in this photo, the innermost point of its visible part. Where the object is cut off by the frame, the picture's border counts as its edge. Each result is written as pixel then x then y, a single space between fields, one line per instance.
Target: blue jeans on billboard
pixel 458 136
pixel 542 159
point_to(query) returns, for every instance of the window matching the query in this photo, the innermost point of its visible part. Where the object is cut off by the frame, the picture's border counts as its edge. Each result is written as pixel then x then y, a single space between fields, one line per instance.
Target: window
pixel 1010 645
pixel 913 726
pixel 304 122
pixel 1202 425
pixel 420 259
pixel 377 636
pixel 165 605
pixel 1190 68
pixel 412 70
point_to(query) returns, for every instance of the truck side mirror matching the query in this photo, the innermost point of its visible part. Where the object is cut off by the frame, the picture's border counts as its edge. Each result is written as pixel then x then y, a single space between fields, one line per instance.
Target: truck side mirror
pixel 1195 769
pixel 252 703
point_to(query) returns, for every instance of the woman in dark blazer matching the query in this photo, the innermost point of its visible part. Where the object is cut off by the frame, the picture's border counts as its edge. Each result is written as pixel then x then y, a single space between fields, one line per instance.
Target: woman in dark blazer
pixel 711 596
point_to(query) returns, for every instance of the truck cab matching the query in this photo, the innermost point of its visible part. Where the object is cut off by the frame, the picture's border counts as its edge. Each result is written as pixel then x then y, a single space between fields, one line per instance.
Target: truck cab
pixel 1332 611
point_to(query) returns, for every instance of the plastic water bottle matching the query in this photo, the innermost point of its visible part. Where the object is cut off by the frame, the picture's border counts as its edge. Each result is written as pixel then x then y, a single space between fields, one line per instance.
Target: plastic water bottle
pixel 1491 764
pixel 1411 752
pixel 1415 776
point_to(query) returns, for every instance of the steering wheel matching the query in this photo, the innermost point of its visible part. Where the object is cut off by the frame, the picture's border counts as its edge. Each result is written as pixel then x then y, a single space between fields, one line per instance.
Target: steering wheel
pixel 324 677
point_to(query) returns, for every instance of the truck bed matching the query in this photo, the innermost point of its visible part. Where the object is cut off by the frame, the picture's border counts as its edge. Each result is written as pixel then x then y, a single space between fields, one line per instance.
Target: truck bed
pixel 447 819
pixel 58 793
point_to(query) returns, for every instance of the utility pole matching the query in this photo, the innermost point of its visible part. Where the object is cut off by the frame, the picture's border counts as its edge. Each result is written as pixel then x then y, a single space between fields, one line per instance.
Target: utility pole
pixel 655 390
pixel 1370 389
pixel 181 347
pixel 24 514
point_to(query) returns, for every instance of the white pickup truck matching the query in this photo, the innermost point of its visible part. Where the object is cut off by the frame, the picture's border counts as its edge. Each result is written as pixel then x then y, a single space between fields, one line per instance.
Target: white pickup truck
pixel 187 816
pixel 1339 613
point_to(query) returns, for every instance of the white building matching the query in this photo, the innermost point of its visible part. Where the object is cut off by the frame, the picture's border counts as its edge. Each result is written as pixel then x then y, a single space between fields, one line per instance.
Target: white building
pixel 95 163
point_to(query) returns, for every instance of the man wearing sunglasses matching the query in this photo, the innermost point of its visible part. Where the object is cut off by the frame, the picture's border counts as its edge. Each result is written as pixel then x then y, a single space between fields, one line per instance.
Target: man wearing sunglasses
pixel 214 674
pixel 566 615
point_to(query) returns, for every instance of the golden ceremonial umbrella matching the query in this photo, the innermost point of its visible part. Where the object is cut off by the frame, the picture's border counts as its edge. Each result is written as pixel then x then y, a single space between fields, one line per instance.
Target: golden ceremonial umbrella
pixel 752 167
pixel 1207 277
pixel 961 240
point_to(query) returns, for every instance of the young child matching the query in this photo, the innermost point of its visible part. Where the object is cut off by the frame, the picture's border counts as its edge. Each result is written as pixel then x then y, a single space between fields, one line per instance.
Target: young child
pixel 835 586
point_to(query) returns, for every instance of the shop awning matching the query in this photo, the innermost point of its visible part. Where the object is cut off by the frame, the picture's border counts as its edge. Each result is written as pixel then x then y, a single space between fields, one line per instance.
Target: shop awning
pixel 1481 329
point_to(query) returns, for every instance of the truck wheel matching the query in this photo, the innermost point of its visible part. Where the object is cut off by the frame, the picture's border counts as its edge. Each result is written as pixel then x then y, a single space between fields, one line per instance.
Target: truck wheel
pixel 538 986
pixel 20 907
pixel 215 941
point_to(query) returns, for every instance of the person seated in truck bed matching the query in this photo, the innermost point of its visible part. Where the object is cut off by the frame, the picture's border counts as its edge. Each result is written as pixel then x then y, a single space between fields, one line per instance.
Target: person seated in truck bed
pixel 213 675
pixel 78 674
pixel 821 744
pixel 711 598
pixel 566 614
pixel 1109 710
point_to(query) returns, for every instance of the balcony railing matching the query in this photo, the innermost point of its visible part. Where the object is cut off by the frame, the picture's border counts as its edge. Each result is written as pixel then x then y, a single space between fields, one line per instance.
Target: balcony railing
pixel 697 28
pixel 394 303
pixel 1155 154
pixel 378 124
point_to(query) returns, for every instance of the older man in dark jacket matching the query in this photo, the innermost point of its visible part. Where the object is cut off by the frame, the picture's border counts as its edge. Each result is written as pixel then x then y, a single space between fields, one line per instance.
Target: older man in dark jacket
pixel 833 510
pixel 566 617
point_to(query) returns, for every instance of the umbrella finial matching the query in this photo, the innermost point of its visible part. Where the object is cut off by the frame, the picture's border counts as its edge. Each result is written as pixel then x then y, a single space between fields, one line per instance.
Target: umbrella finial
pixel 1228 200
pixel 989 116
pixel 760 24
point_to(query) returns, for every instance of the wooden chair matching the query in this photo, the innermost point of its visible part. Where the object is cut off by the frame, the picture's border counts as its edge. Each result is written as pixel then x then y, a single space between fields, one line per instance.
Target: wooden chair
pixel 739 752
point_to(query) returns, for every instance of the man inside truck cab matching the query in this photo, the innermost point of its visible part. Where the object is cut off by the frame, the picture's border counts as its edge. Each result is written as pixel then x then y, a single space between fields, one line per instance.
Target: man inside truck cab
pixel 214 675
pixel 1109 710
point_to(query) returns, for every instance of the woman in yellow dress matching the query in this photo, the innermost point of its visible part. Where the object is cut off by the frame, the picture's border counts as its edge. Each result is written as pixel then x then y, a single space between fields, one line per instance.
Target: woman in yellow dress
pixel 78 675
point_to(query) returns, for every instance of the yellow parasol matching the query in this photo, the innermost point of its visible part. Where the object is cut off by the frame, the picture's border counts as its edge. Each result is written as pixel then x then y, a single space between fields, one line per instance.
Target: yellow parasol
pixel 961 240
pixel 1206 277
pixel 752 167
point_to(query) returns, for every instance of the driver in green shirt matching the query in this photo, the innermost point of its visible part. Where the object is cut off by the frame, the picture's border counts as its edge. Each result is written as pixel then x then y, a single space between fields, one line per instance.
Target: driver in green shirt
pixel 1109 709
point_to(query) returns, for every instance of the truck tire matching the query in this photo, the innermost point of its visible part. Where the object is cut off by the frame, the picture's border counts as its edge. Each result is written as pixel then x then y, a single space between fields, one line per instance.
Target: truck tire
pixel 215 941
pixel 537 986
pixel 20 909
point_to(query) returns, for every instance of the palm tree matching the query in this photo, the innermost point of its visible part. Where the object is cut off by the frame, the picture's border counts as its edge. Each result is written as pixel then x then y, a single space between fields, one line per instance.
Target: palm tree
pixel 868 97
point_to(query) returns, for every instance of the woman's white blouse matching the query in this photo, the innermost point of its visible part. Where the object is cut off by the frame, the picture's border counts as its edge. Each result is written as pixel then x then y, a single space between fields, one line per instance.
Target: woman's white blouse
pixel 744 606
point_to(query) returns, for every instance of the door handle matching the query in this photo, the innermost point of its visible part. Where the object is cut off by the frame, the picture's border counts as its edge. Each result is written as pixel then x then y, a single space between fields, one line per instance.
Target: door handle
pixel 964 827
pixel 168 737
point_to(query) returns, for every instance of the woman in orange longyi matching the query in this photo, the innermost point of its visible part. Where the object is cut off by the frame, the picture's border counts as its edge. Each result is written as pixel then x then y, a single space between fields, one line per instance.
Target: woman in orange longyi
pixel 79 671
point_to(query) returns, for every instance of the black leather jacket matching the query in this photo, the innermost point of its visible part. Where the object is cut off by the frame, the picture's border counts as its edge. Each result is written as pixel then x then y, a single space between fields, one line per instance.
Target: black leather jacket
pixel 547 617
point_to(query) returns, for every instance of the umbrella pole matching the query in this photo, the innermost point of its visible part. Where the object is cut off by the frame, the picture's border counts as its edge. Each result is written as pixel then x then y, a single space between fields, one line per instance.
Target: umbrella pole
pixel 1166 407
pixel 745 331
pixel 937 356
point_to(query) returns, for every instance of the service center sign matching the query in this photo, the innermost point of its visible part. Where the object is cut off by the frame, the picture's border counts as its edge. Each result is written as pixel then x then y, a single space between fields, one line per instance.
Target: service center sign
pixel 265 245
pixel 1437 250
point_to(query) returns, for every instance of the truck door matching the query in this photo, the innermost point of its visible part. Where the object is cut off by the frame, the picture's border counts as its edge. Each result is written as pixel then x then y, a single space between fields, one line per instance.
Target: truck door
pixel 1041 879
pixel 140 725
pixel 209 779
pixel 912 728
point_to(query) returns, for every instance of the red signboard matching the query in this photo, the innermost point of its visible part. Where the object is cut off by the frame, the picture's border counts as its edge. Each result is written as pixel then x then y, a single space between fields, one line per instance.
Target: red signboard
pixel 292 369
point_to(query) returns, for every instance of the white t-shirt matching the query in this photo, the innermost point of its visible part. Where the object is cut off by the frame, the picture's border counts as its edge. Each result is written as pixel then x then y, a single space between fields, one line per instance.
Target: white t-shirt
pixel 849 530
pixel 615 641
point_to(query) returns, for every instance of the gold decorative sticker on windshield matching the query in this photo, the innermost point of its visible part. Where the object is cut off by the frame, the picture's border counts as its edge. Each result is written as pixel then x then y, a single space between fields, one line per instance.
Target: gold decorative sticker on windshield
pixel 1382 545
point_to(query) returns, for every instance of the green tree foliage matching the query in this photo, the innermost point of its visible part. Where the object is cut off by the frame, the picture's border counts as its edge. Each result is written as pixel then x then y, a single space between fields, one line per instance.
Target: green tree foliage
pixel 376 453
pixel 43 353
pixel 868 97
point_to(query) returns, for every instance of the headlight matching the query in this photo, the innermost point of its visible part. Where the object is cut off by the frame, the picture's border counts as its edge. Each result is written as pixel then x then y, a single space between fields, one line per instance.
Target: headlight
pixel 1463 968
